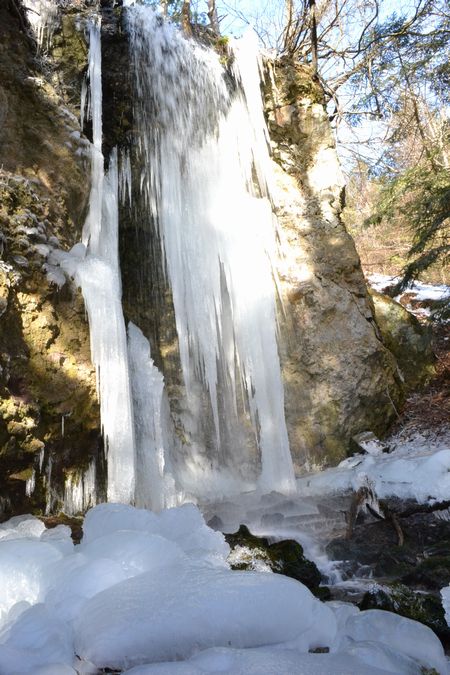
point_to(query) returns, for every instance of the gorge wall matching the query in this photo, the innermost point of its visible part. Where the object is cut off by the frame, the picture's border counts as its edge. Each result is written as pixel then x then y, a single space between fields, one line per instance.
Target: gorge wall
pixel 49 416
pixel 339 377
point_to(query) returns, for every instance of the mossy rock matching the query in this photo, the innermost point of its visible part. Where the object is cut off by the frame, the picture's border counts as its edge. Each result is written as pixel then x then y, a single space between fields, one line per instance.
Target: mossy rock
pixel 295 81
pixel 74 522
pixel 70 52
pixel 407 339
pixel 432 573
pixel 283 557
pixel 398 598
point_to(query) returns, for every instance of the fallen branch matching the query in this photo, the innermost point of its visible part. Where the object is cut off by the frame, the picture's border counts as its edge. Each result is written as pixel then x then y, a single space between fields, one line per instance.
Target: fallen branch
pixel 423 508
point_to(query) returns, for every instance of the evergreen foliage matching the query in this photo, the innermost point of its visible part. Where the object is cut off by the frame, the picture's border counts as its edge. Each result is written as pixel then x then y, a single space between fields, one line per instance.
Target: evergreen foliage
pixel 405 83
pixel 419 198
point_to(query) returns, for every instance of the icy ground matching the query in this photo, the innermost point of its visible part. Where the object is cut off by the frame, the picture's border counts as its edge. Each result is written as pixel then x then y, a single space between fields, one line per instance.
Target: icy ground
pixel 152 594
pixel 417 468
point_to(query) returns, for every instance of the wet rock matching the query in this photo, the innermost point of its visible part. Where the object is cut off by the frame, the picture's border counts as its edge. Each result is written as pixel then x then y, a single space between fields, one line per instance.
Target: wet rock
pixel 283 557
pixel 366 442
pixel 432 573
pixel 375 547
pixel 422 563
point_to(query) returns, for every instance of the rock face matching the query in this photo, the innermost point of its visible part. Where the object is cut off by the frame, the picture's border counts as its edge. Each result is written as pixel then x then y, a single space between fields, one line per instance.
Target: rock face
pixel 339 377
pixel 49 419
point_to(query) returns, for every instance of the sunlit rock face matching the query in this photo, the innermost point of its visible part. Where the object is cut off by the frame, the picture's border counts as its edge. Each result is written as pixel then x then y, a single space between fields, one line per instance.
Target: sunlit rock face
pixel 49 421
pixel 339 378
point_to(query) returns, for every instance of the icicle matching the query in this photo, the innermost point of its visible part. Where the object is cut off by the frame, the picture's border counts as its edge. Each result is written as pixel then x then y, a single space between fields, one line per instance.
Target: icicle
pixel 248 70
pixel 125 177
pixel 99 277
pixel 155 486
pixel 48 486
pixel 42 15
pixel 80 491
pixel 93 224
pixel 30 484
pixel 85 112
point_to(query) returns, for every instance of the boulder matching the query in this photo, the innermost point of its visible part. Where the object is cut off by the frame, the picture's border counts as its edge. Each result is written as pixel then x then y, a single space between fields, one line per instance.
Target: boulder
pixel 283 557
pixel 339 377
pixel 406 338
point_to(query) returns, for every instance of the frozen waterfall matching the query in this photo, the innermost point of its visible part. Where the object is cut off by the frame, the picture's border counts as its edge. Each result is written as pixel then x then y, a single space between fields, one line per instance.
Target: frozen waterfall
pixel 200 170
pixel 203 157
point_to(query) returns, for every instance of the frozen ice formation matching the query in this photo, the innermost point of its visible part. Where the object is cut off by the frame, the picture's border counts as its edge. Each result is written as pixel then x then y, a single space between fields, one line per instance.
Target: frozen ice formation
pixel 152 593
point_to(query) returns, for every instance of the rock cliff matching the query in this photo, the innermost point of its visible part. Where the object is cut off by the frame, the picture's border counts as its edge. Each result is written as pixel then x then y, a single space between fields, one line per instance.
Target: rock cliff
pixel 49 421
pixel 340 378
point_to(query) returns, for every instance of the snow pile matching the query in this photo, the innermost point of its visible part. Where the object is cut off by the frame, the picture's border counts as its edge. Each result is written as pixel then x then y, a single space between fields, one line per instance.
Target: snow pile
pixel 445 593
pixel 152 593
pixel 418 469
pixel 403 643
pixel 420 290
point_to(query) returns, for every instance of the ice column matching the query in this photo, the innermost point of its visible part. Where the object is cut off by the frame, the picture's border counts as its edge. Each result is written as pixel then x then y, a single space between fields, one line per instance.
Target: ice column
pixel 155 486
pixel 99 278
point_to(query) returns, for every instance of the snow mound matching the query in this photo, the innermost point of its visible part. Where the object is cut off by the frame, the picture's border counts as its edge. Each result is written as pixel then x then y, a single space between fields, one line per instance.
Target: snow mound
pixel 403 636
pixel 262 661
pixel 418 469
pixel 445 594
pixel 153 593
pixel 174 613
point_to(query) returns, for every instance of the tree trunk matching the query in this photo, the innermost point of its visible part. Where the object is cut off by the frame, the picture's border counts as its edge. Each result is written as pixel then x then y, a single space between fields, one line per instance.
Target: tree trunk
pixel 429 151
pixel 186 17
pixel 289 12
pixel 313 19
pixel 212 15
pixel 164 7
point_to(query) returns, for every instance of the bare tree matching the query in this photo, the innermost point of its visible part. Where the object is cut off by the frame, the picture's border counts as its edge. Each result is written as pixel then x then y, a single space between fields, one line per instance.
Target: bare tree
pixel 314 45
pixel 212 15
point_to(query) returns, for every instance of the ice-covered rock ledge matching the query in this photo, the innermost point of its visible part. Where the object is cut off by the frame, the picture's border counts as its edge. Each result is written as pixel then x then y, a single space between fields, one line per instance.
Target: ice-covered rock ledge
pixel 418 468
pixel 146 594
